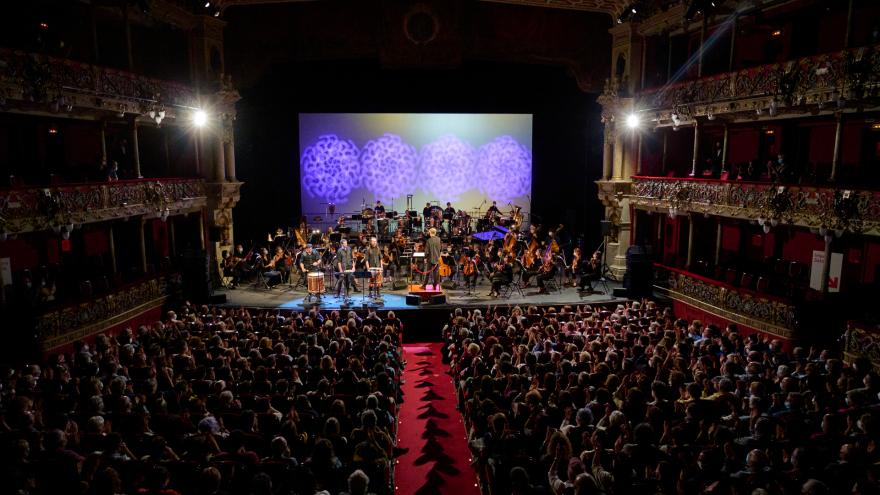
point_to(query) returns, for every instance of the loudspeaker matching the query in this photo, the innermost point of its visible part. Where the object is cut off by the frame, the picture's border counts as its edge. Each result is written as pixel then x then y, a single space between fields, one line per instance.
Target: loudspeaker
pixel 214 234
pixel 619 292
pixel 413 300
pixel 639 276
pixel 196 275
pixel 447 284
pixel 217 299
pixel 438 299
pixel 605 227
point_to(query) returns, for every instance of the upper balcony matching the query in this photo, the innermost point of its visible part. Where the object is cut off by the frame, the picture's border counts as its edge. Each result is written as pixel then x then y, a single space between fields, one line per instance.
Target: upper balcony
pixel 813 207
pixel 42 83
pixel 844 80
pixel 40 208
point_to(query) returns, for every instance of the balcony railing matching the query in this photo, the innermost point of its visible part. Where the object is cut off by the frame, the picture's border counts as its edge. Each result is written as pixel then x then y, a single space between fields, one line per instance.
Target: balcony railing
pixel 65 325
pixel 850 74
pixel 65 84
pixel 847 210
pixel 40 208
pixel 753 309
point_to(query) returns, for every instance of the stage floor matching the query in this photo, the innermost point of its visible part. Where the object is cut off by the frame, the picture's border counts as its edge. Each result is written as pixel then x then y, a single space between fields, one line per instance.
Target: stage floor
pixel 283 297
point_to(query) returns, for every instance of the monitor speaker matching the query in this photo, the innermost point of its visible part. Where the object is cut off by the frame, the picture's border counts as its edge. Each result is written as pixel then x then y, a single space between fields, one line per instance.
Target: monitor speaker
pixel 438 299
pixel 620 292
pixel 413 300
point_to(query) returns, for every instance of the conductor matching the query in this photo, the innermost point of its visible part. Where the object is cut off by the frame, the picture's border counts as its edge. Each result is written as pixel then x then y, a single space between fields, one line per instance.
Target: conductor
pixel 432 256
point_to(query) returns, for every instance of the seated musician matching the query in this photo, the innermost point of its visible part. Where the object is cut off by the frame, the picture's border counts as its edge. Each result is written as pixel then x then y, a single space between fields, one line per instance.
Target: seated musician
pixel 279 263
pixel 374 260
pixel 228 265
pixel 591 270
pixel 503 275
pixel 344 268
pixel 263 264
pixel 308 261
pixel 389 262
pixel 545 273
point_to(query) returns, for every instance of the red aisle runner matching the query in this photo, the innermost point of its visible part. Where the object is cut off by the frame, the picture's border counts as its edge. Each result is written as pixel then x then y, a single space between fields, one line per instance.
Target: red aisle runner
pixel 438 461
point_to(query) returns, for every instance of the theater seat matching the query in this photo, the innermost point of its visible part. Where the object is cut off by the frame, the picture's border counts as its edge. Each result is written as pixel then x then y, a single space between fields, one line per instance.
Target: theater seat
pixel 730 276
pixel 763 284
pixel 747 280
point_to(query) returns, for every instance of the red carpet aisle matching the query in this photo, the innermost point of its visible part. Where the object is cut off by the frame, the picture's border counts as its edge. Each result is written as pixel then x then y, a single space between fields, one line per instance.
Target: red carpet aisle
pixel 431 428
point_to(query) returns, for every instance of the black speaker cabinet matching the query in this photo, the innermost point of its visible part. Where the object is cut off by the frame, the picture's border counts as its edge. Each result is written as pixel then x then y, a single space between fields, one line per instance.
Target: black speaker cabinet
pixel 413 300
pixel 438 299
pixel 605 227
pixel 620 292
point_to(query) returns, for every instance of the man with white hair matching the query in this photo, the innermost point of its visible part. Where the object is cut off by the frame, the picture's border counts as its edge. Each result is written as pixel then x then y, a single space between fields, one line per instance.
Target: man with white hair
pixel 358 482
pixel 432 258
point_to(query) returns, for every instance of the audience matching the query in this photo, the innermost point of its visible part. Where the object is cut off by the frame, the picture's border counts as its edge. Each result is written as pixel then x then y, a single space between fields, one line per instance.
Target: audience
pixel 584 400
pixel 210 401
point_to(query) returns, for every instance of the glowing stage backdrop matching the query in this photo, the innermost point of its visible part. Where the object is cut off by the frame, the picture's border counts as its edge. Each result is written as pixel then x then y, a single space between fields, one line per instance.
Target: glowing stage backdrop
pixel 354 158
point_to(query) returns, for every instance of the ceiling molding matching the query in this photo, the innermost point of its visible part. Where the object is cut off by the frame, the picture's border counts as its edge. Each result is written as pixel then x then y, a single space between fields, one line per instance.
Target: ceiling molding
pixel 610 7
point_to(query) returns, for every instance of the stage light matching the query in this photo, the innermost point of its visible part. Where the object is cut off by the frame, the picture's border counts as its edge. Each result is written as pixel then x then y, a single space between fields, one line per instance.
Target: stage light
pixel 207 5
pixel 634 10
pixel 200 118
pixel 632 121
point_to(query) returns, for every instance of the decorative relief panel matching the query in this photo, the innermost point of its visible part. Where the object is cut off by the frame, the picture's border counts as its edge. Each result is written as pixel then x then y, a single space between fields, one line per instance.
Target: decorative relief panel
pixel 71 323
pixel 851 74
pixel 64 84
pixel 814 207
pixel 30 209
pixel 748 308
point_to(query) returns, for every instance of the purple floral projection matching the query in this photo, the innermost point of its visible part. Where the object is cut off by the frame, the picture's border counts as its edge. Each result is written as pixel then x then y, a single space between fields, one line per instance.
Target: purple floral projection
pixel 505 169
pixel 389 167
pixel 446 168
pixel 330 169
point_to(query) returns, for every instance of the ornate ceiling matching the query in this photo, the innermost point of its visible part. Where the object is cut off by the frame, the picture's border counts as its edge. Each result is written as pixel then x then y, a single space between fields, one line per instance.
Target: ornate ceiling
pixel 611 7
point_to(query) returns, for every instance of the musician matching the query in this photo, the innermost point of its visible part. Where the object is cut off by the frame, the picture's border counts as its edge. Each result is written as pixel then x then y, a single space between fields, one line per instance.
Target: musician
pixel 432 257
pixel 545 273
pixel 449 216
pixel 591 270
pixel 374 260
pixel 308 261
pixel 379 210
pixel 345 268
pixel 573 270
pixel 493 212
pixel 389 263
pixel 279 263
pixel 427 217
pixel 502 275
pixel 469 268
pixel 340 223
pixel 228 265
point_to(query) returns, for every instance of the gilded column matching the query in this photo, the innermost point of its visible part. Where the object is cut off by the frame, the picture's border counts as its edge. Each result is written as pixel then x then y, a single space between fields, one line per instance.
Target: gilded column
pixel 690 253
pixel 696 147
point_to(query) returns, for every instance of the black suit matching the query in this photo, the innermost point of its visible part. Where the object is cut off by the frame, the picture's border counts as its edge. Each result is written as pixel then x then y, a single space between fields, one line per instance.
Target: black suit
pixel 432 258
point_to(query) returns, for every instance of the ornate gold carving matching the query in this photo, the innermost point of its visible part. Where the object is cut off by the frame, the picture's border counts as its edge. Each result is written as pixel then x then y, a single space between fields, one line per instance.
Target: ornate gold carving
pixel 807 206
pixel 33 209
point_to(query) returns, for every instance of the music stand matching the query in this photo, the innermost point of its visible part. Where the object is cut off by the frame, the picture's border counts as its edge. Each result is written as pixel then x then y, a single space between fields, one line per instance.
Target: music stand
pixel 335 237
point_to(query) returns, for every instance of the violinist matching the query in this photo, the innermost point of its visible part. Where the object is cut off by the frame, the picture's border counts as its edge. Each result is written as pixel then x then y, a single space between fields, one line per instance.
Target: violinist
pixel 279 263
pixel 591 270
pixel 501 275
pixel 545 273
pixel 228 265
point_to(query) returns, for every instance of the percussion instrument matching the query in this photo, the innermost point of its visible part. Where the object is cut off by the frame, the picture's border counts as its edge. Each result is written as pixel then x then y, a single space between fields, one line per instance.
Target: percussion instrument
pixel 375 277
pixel 504 221
pixel 367 213
pixel 315 282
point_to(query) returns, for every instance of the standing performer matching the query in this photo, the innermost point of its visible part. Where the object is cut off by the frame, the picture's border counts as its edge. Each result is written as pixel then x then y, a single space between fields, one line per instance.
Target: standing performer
pixel 449 217
pixel 432 257
pixel 345 267
pixel 427 217
pixel 308 261
pixel 374 261
pixel 493 213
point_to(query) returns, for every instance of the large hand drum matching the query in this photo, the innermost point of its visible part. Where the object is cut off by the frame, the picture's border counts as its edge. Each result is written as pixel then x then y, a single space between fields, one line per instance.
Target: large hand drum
pixel 316 282
pixel 375 277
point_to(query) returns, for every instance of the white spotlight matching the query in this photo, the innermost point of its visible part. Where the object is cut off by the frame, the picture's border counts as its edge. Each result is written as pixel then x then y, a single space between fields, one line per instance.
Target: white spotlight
pixel 632 121
pixel 200 118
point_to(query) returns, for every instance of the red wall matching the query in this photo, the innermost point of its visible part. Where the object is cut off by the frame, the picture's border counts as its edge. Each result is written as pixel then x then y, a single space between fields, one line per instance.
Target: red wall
pixel 742 145
pixel 800 246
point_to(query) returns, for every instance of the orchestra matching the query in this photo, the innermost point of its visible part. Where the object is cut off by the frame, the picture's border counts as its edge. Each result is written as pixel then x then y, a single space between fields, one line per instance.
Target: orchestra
pixel 379 244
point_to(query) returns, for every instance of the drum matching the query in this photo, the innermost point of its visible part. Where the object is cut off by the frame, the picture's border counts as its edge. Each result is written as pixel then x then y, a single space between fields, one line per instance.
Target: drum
pixel 504 221
pixel 484 224
pixel 316 282
pixel 375 277
pixel 367 213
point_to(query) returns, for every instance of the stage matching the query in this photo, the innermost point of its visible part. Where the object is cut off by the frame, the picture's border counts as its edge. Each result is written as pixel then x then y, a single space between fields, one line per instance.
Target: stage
pixel 284 297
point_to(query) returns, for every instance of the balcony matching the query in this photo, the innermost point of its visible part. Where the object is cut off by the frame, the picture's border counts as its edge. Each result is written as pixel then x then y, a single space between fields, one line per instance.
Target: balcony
pixel 852 75
pixel 847 210
pixel 68 324
pixel 63 85
pixel 746 307
pixel 40 208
